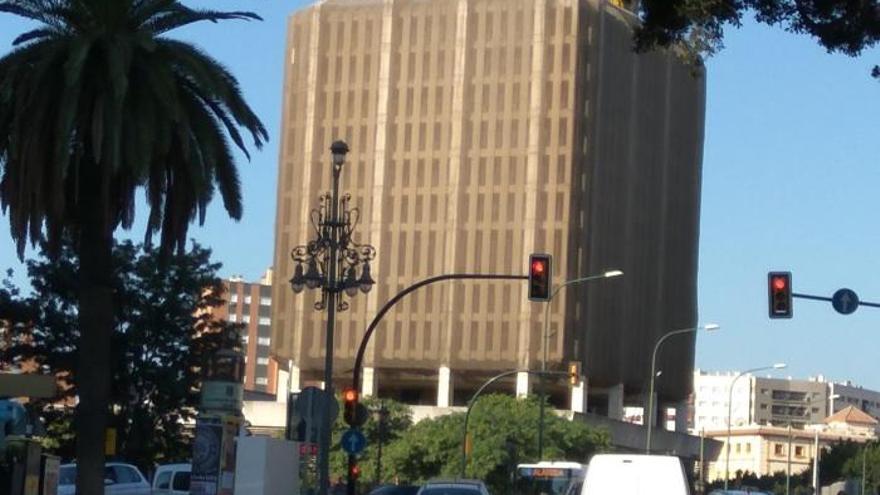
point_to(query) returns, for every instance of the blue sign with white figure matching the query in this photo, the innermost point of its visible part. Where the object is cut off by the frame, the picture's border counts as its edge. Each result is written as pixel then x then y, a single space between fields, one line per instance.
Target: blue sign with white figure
pixel 353 441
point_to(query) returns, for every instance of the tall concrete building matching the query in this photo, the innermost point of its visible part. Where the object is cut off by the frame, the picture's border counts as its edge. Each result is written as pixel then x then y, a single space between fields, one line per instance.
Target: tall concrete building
pixel 482 131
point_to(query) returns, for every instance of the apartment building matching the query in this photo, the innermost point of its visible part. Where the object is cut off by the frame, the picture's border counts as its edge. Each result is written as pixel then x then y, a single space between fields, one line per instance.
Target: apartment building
pixel 768 401
pixel 250 303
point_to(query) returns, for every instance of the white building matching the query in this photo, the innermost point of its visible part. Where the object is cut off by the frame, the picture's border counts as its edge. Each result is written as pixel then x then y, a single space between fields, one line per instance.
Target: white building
pixel 770 401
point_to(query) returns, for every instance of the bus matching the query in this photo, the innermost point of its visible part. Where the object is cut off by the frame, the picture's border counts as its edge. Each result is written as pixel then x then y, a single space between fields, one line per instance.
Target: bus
pixel 549 478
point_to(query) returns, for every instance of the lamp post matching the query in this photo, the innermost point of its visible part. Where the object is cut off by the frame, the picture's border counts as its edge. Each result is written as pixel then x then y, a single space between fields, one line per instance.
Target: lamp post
pixel 649 414
pixel 546 338
pixel 777 366
pixel 331 262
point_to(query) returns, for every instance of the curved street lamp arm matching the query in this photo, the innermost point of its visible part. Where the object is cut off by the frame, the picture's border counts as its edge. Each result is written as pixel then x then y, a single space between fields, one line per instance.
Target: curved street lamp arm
pixel 362 348
pixel 730 412
pixel 649 414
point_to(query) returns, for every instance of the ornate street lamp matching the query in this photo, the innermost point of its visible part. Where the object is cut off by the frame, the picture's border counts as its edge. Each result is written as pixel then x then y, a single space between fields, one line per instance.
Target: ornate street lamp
pixel 336 264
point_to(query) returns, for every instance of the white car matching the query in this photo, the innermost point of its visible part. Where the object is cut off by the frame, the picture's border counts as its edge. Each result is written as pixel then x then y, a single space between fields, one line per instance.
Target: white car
pixel 172 479
pixel 634 474
pixel 119 479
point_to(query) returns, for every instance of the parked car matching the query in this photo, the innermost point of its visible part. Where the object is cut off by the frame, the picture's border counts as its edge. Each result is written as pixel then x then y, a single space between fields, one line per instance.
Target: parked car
pixel 172 479
pixel 119 479
pixel 395 490
pixel 454 487
pixel 625 474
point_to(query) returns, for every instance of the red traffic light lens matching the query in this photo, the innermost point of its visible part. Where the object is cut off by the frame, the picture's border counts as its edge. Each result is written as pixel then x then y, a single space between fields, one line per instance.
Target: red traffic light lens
pixel 349 395
pixel 779 283
pixel 538 267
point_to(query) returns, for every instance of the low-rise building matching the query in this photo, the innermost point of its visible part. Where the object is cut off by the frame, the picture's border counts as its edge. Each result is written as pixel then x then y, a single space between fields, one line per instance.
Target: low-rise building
pixel 766 449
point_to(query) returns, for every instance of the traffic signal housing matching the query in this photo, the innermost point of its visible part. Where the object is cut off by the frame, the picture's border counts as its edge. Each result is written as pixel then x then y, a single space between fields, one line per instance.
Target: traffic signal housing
pixel 350 403
pixel 539 277
pixel 354 413
pixel 779 294
pixel 574 372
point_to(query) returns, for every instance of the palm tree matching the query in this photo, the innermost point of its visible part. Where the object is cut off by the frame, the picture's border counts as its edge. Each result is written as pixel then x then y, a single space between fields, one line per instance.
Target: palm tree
pixel 95 104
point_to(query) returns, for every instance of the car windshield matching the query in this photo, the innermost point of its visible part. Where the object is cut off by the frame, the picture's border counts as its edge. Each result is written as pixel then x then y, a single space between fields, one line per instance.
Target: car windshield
pixel 451 490
pixel 67 475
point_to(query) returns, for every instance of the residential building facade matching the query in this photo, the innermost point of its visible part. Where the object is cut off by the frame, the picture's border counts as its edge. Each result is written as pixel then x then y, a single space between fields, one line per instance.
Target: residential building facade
pixel 250 303
pixel 482 131
pixel 767 401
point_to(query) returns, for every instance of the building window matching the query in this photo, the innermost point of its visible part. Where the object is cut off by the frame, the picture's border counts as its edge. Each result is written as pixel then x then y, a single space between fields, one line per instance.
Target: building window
pixel 262 360
pixel 246 319
pixel 263 340
pixel 748 448
pixel 738 448
pixel 233 318
pixel 244 339
pixel 264 320
pixel 798 451
pixel 247 299
pixel 763 406
pixel 261 380
pixel 777 449
pixel 233 298
pixel 265 301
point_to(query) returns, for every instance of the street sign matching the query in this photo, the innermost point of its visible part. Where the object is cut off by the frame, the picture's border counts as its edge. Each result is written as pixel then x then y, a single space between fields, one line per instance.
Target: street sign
pixel 845 301
pixel 353 441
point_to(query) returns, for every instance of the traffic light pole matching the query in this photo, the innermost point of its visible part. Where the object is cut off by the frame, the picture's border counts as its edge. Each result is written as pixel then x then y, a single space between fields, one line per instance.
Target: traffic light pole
pixel 831 299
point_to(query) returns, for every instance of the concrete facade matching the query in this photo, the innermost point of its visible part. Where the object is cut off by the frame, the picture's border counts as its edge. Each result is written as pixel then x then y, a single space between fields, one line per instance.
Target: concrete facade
pixel 482 131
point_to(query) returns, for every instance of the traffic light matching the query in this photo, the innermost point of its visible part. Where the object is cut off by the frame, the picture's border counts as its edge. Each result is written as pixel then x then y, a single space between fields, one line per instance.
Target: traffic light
pixel 539 277
pixel 350 401
pixel 354 471
pixel 574 372
pixel 779 294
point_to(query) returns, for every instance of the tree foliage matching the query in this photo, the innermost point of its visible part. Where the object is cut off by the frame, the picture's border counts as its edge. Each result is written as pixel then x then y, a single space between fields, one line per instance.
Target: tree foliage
pixel 97 103
pixel 504 433
pixel 846 26
pixel 163 333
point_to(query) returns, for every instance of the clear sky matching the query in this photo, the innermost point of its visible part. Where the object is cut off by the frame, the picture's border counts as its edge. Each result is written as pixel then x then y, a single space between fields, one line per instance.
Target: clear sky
pixel 791 177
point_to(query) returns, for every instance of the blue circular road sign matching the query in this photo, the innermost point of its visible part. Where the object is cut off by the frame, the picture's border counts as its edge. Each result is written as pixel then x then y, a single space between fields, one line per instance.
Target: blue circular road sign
pixel 353 441
pixel 845 301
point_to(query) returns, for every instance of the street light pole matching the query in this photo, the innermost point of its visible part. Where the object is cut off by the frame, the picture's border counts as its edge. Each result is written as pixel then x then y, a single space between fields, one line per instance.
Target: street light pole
pixel 546 339
pixel 331 263
pixel 649 414
pixel 816 464
pixel 777 366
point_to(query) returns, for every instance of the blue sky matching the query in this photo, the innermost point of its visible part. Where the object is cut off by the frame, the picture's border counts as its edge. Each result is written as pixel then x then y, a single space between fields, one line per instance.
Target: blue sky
pixel 790 181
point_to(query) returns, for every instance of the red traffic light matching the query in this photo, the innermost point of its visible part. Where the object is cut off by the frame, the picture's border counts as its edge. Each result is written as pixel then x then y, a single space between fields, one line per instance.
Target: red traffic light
pixel 539 266
pixel 779 294
pixel 539 277
pixel 350 395
pixel 779 283
pixel 354 471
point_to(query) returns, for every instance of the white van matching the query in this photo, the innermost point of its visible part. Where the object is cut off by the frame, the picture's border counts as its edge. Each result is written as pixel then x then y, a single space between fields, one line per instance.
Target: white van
pixel 633 474
pixel 172 479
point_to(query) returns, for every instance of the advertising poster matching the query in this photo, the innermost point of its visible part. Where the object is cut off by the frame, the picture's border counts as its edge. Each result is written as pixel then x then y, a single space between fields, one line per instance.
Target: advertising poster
pixel 207 447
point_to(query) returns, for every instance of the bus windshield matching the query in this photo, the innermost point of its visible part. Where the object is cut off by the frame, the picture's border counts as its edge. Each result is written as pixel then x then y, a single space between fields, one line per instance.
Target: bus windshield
pixel 538 479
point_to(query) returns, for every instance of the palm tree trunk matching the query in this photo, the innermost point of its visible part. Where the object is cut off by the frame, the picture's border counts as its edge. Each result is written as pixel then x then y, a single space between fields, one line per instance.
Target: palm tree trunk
pixel 96 317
